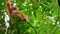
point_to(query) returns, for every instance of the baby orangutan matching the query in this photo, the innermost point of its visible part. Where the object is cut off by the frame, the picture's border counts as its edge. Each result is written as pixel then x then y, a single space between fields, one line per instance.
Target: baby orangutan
pixel 13 11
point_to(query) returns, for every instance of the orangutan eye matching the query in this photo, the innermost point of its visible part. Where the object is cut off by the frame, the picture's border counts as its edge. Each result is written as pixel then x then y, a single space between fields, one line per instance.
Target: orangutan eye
pixel 14 8
pixel 12 4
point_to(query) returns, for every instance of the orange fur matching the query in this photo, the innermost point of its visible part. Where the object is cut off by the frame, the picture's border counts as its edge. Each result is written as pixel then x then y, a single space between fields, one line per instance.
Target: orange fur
pixel 13 10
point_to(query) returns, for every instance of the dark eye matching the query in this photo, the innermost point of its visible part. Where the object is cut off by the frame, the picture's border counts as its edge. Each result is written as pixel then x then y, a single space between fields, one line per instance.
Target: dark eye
pixel 11 4
pixel 14 8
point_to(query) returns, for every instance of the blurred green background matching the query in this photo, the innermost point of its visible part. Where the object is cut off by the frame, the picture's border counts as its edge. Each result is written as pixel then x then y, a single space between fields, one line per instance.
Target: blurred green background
pixel 43 15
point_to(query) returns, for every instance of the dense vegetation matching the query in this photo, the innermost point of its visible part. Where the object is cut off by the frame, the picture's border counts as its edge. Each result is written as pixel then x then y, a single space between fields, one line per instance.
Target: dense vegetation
pixel 43 15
